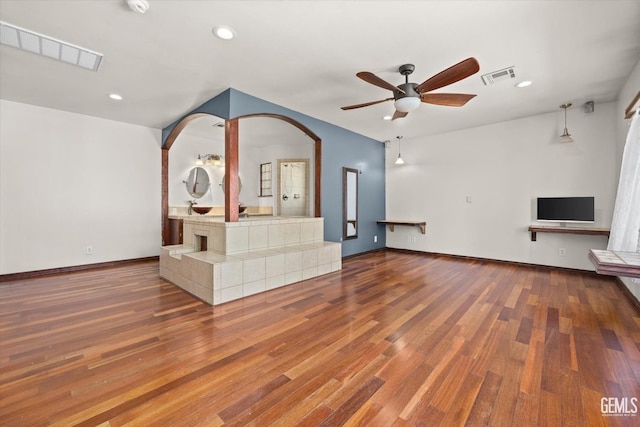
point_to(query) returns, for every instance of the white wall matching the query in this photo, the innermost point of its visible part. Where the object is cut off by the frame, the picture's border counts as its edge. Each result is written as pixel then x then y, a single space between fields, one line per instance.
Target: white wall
pixel 68 181
pixel 252 152
pixel 503 167
pixel 629 90
pixel 182 157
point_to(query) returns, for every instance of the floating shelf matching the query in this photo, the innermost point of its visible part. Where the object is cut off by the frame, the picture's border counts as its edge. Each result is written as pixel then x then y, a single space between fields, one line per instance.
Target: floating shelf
pixel 534 229
pixel 391 224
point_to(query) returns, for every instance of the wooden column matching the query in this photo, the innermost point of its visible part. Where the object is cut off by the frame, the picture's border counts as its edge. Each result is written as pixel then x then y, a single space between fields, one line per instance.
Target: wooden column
pixel 231 186
pixel 165 195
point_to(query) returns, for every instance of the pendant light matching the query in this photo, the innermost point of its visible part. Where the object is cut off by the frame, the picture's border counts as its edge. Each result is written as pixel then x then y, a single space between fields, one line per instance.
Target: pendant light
pixel 566 136
pixel 399 160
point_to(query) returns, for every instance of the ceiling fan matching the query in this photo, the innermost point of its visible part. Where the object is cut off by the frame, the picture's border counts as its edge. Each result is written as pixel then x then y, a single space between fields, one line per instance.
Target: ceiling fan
pixel 407 96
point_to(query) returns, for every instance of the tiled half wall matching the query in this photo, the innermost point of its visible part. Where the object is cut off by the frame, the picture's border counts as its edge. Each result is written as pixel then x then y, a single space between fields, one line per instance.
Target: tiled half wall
pixel 248 257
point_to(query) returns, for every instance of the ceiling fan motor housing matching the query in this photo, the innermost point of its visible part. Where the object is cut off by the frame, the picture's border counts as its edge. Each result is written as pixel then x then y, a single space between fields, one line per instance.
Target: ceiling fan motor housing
pixel 409 91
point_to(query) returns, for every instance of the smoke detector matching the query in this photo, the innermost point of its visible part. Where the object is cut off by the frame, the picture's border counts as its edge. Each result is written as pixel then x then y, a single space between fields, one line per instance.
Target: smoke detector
pixel 139 6
pixel 498 76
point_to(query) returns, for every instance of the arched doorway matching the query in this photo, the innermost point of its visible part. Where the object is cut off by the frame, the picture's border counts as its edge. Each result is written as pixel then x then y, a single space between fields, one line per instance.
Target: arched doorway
pixel 231 157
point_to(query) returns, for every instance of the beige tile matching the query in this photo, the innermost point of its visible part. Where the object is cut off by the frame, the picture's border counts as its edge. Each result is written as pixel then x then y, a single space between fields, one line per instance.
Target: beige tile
pixel 292 233
pixel 274 265
pixel 230 294
pixel 293 261
pixel 309 258
pixel 336 252
pixel 274 282
pixel 307 233
pixel 237 239
pixel 318 230
pixel 205 274
pixel 324 255
pixel 293 276
pixel 217 276
pixel 255 287
pixel 258 237
pixel 310 272
pixel 253 269
pixel 219 241
pixel 230 274
pixel 217 297
pixel 276 235
pixel 324 269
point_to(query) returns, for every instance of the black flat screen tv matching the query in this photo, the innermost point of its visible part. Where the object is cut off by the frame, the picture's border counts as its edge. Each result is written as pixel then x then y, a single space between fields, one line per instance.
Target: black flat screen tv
pixel 566 209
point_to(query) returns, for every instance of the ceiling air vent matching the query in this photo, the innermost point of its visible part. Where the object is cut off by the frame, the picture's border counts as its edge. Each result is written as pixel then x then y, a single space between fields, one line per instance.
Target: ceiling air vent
pixel 497 76
pixel 39 44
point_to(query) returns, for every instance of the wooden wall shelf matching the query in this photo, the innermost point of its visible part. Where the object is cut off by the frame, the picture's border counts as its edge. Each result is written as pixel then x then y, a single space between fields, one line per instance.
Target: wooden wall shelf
pixel 593 231
pixel 421 224
pixel 615 263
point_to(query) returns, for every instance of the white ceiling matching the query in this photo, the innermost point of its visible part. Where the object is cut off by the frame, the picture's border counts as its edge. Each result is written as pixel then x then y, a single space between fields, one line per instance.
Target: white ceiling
pixel 304 55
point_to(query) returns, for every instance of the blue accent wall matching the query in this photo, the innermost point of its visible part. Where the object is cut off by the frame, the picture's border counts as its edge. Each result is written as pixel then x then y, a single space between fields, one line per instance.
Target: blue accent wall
pixel 340 148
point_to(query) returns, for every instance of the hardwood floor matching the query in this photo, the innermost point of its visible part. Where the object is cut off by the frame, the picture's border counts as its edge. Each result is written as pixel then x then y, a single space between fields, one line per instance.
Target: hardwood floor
pixel 394 339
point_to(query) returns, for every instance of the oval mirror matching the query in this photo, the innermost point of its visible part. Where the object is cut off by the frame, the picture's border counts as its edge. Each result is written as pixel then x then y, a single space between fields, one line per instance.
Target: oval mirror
pixel 198 182
pixel 239 185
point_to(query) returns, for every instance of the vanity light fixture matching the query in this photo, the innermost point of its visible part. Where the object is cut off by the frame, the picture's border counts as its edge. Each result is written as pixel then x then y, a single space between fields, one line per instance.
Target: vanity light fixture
pixel 209 159
pixel 566 136
pixel 399 160
pixel 224 32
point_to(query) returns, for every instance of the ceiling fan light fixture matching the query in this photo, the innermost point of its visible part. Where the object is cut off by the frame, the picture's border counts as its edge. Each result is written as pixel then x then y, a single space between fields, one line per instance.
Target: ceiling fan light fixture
pixel 139 6
pixel 407 104
pixel 223 32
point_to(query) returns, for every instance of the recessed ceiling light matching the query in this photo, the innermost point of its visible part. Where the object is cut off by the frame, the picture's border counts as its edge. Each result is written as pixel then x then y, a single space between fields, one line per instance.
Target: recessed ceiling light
pixel 386 118
pixel 524 83
pixel 223 32
pixel 115 96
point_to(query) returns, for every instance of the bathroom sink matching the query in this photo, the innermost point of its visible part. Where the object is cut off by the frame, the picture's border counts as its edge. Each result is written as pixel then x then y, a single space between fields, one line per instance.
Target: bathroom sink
pixel 201 209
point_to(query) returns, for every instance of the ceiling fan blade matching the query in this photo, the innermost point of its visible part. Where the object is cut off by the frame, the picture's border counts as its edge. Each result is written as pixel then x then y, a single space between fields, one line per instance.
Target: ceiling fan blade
pixel 377 81
pixel 455 73
pixel 366 104
pixel 398 115
pixel 447 99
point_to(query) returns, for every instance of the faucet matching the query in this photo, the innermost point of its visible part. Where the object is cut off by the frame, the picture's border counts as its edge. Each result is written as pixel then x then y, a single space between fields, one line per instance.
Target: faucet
pixel 191 203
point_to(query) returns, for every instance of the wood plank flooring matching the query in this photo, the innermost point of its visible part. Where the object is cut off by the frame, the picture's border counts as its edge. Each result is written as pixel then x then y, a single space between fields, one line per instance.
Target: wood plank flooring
pixel 394 339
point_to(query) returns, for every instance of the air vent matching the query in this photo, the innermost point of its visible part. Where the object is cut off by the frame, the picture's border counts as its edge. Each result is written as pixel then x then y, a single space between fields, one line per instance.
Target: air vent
pixel 39 44
pixel 497 76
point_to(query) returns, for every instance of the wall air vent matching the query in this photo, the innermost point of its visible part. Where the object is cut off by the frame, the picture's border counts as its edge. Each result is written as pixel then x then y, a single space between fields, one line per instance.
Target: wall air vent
pixel 497 76
pixel 49 47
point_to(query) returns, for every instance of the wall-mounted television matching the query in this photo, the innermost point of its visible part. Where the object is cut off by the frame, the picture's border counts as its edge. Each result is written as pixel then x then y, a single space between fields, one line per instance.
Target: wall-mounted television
pixel 566 209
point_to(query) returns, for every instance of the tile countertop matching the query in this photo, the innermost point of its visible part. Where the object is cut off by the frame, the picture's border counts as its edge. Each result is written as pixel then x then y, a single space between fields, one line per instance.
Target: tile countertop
pixel 208 217
pixel 615 263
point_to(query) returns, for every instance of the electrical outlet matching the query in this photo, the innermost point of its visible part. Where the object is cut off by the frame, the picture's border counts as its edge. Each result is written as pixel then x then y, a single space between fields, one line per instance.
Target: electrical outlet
pixel 562 252
pixel 89 250
pixel 409 239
